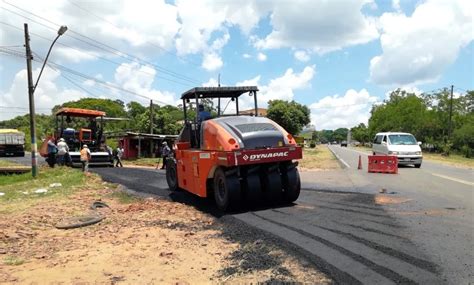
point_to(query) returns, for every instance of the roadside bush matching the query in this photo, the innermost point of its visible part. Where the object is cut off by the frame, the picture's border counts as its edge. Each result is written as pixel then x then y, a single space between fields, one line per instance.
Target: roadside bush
pixel 312 144
pixel 466 151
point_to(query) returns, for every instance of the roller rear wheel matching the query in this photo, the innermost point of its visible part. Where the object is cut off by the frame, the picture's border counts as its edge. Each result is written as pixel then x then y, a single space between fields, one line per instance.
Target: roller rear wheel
pixel 226 190
pixel 291 185
pixel 272 185
pixel 172 175
pixel 252 189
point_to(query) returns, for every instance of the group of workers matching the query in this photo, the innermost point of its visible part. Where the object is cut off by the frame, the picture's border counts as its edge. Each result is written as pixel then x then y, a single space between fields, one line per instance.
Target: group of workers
pixel 59 154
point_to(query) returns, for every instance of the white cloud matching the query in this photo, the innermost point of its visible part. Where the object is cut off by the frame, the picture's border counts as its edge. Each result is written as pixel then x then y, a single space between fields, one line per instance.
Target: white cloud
pixel 212 82
pixel 301 55
pixel 282 87
pixel 409 89
pixel 212 61
pixel 47 94
pixel 261 56
pixel 336 111
pixel 396 5
pixel 418 48
pixel 246 55
pixel 139 79
pixel 321 26
pixel 128 24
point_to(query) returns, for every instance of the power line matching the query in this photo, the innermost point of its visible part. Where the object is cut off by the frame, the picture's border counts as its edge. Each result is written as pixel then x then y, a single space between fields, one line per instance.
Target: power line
pixel 79 74
pixel 112 24
pixel 102 46
pixel 97 56
pixel 21 108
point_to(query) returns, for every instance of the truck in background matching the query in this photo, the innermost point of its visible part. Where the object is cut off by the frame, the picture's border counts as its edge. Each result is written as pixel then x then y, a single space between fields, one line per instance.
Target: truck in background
pixel 12 142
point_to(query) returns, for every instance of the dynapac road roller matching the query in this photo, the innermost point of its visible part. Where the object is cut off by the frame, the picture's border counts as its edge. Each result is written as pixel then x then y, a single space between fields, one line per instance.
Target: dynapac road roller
pixel 237 158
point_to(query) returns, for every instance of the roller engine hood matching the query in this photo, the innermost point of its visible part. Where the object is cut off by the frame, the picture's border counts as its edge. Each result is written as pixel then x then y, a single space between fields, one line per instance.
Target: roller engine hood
pixel 254 132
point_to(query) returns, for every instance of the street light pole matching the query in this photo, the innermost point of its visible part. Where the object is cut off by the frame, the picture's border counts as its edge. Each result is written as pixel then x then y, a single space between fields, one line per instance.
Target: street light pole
pixel 31 90
pixel 450 113
pixel 31 93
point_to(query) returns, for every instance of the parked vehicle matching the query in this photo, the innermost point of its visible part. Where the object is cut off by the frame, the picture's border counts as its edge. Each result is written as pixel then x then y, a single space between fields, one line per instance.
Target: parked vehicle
pixel 344 143
pixel 403 145
pixel 234 158
pixel 12 142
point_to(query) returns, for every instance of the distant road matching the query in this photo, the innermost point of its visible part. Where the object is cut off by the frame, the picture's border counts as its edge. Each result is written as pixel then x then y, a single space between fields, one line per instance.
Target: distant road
pixel 439 208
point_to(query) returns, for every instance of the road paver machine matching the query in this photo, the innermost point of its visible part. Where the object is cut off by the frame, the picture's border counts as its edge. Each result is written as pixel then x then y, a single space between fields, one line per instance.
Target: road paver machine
pixel 239 159
pixel 79 127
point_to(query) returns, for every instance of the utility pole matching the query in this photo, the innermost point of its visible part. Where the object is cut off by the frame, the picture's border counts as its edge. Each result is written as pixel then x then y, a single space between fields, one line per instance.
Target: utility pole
pixel 31 90
pixel 450 113
pixel 151 127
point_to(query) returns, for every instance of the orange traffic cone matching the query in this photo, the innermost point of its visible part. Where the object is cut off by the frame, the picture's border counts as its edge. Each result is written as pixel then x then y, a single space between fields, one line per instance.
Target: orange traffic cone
pixel 360 163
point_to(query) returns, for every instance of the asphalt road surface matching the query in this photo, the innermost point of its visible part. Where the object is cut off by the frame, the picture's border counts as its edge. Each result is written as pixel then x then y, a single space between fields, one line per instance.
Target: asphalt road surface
pixel 438 212
pixel 420 231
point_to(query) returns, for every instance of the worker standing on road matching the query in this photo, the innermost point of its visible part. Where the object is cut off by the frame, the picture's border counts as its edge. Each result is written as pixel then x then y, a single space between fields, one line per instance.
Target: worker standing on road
pixel 63 150
pixel 165 153
pixel 118 156
pixel 52 150
pixel 85 157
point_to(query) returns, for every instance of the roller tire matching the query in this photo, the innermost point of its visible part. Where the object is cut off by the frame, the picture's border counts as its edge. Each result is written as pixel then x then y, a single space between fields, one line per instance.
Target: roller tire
pixel 253 189
pixel 172 175
pixel 226 191
pixel 292 185
pixel 417 165
pixel 272 186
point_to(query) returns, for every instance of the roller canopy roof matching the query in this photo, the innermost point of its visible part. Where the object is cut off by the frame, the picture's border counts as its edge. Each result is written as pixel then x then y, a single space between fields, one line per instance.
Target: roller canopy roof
pixel 217 92
pixel 76 112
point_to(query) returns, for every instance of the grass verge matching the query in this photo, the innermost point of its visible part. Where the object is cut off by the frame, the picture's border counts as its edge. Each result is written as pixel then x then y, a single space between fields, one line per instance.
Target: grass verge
pixel 143 162
pixel 453 159
pixel 13 260
pixel 7 163
pixel 319 158
pixel 125 198
pixel 21 191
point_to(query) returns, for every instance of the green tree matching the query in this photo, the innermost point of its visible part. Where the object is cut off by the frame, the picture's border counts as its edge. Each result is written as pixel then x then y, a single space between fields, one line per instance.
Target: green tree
pixel 112 108
pixel 326 136
pixel 402 112
pixel 292 116
pixel 340 134
pixel 361 133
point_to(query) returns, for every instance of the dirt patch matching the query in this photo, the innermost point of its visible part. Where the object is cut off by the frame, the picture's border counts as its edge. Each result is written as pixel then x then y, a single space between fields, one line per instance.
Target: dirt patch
pixel 141 241
pixel 386 199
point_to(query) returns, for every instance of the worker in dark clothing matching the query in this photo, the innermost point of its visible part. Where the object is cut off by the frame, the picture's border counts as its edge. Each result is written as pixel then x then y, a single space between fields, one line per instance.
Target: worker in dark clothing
pixel 52 150
pixel 165 153
pixel 203 114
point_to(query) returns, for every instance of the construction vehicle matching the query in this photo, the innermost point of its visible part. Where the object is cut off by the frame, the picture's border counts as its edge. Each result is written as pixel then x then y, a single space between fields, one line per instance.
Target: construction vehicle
pixel 79 127
pixel 237 159
pixel 12 142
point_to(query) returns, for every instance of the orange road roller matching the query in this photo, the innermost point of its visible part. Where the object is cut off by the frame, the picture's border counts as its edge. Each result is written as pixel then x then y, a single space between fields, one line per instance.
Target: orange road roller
pixel 239 159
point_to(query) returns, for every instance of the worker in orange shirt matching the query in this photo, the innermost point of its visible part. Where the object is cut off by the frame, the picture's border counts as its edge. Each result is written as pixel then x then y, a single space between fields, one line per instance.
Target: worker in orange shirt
pixel 85 157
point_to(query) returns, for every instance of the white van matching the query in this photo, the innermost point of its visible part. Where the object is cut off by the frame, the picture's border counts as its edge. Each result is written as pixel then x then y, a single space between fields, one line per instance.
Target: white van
pixel 403 145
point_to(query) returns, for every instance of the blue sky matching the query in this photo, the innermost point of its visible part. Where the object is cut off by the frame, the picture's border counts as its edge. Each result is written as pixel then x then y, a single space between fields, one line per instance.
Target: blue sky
pixel 336 57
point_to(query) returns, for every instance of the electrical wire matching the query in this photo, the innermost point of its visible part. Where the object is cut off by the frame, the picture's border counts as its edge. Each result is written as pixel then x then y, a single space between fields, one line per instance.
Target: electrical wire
pixel 100 45
pixel 100 57
pixel 112 24
pixel 79 74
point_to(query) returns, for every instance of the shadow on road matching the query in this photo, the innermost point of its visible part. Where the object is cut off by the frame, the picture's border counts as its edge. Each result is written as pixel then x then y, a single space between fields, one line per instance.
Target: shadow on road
pixel 154 182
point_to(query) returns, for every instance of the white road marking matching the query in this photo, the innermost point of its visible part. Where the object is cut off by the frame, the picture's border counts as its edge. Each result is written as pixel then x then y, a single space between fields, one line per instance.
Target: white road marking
pixel 338 157
pixel 453 179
